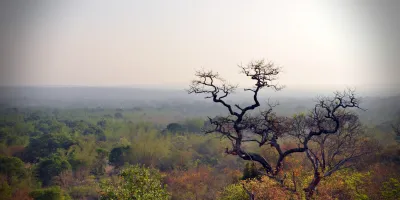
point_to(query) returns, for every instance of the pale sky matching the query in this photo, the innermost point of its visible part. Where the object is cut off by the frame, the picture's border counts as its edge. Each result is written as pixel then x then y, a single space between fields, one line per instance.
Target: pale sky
pixel 125 43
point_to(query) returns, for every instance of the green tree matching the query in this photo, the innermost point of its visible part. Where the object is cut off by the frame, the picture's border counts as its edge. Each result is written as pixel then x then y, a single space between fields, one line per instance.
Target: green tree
pixel 12 168
pixel 5 190
pixel 99 165
pixel 46 145
pixel 250 171
pixel 118 155
pixel 50 167
pixel 51 193
pixel 135 183
pixel 175 128
pixel 233 192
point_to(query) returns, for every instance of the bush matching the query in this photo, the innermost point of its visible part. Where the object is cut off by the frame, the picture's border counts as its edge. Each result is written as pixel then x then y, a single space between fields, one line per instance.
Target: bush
pixel 5 190
pixel 12 168
pixel 391 189
pixel 118 155
pixel 83 192
pixel 51 193
pixel 233 192
pixel 50 167
pixel 135 182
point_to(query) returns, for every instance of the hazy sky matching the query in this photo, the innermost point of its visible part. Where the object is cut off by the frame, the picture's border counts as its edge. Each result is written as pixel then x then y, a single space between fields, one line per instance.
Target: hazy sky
pixel 122 43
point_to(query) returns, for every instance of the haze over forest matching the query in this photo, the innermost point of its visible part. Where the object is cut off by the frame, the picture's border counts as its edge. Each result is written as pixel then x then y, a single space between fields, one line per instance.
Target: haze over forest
pixel 200 100
pixel 321 45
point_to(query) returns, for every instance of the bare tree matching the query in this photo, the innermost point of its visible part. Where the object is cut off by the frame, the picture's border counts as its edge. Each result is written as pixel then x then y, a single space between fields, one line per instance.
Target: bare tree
pixel 329 153
pixel 266 128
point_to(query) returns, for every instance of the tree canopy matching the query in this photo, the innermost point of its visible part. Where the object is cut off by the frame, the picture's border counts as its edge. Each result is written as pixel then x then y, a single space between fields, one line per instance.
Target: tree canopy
pixel 135 182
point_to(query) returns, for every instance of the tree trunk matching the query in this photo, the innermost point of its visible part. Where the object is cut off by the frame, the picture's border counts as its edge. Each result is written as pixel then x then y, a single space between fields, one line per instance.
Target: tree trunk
pixel 311 187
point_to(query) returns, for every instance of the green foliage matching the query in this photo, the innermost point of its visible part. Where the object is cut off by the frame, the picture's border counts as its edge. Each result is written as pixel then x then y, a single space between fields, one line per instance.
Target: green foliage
pixel 15 178
pixel 354 182
pixel 45 145
pixel 36 115
pixel 100 163
pixel 250 171
pixel 12 168
pixel 5 190
pixel 13 131
pixel 51 193
pixel 47 126
pixel 52 166
pixel 135 182
pixel 83 192
pixel 175 128
pixel 391 189
pixel 344 184
pixel 150 148
pixel 82 127
pixel 233 192
pixel 84 140
pixel 119 155
pixel 84 154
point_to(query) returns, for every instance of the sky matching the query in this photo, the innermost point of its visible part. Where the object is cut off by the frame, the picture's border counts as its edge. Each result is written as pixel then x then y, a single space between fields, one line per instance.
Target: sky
pixel 320 44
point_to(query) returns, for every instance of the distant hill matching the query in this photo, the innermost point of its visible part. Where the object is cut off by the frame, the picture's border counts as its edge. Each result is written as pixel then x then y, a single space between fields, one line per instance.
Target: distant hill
pixel 379 108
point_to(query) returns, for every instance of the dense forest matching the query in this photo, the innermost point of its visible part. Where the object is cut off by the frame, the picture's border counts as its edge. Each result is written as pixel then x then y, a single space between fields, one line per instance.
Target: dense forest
pixel 168 149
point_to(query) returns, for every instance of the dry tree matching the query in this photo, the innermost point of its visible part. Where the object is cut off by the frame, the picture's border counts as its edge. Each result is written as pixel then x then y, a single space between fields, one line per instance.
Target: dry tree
pixel 328 135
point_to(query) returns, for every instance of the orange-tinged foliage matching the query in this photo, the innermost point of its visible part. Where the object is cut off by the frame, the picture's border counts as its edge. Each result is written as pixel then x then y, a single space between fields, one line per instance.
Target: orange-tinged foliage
pixel 264 189
pixel 22 194
pixel 267 189
pixel 199 183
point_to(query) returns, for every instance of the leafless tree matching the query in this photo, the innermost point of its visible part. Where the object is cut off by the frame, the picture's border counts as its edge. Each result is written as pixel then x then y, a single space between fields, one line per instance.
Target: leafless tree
pixel 266 128
pixel 329 153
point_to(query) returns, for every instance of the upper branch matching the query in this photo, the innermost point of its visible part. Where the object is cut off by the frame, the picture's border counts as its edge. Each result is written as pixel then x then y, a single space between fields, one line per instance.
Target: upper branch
pixel 223 125
pixel 264 75
pixel 327 118
pixel 327 114
pixel 214 87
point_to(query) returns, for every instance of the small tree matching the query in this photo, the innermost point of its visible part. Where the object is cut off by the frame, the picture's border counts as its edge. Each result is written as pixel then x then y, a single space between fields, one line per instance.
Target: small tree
pixel 175 128
pixel 12 168
pixel 51 167
pixel 118 155
pixel 100 164
pixel 135 182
